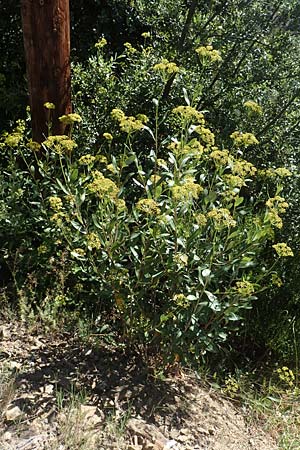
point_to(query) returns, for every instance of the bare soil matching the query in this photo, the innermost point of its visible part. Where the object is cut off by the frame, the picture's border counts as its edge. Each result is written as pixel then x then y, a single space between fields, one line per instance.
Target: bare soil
pixel 60 393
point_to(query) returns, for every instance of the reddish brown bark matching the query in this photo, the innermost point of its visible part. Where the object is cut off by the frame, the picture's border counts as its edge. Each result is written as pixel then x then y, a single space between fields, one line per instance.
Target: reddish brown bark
pixel 46 33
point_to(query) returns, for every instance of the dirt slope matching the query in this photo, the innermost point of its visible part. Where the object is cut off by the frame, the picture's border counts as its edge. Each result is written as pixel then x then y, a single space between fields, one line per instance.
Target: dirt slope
pixel 57 393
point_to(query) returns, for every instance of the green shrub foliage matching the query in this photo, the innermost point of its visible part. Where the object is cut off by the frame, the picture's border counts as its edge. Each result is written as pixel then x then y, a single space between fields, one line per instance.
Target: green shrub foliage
pixel 167 246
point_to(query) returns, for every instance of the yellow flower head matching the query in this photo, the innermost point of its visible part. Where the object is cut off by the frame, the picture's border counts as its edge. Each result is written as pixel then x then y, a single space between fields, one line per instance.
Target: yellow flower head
pixel 166 66
pixel 162 163
pixel 277 204
pixel 274 218
pixel 244 288
pixel 206 135
pixel 49 105
pixel 208 54
pixel 234 181
pixel 181 300
pixel 186 191
pixel 55 203
pixel 108 136
pixel 282 249
pixel 181 259
pixel 42 249
pixel 221 217
pixel 143 118
pixel 129 48
pixel 244 139
pixel 60 144
pixel 282 172
pixel 189 113
pixel 103 187
pixel 276 280
pixel 117 114
pixel 148 206
pixel 130 124
pixel 101 43
pixel 201 220
pixel 93 241
pixel 34 146
pixel 220 157
pixel 101 159
pixel 69 119
pixel 86 160
pixel 243 168
pixel 253 107
pixel 120 204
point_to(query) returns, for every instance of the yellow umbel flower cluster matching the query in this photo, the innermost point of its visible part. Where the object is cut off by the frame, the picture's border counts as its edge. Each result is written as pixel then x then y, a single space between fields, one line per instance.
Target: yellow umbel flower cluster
pixel 243 168
pixel 253 107
pixel 244 139
pixel 101 43
pixel 93 241
pixel 181 259
pixel 86 160
pixel 13 139
pixel 282 249
pixel 70 119
pixel 129 124
pixel 201 220
pixel 187 191
pixel 129 48
pixel 55 203
pixel 101 159
pixel 234 181
pixel 189 113
pixel 276 280
pixel 221 217
pixel 166 66
pixel 60 144
pixel 181 301
pixel 103 187
pixel 286 375
pixel 282 172
pixel 34 146
pixel 42 249
pixel 58 218
pixel 206 135
pixel 275 206
pixel 148 206
pixel 207 53
pixel 49 105
pixel 277 203
pixel 244 288
pixel 220 157
pixel 107 136
pixel 192 148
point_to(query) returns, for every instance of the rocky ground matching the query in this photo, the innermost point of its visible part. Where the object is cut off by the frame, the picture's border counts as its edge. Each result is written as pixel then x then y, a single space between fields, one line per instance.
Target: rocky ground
pixel 58 393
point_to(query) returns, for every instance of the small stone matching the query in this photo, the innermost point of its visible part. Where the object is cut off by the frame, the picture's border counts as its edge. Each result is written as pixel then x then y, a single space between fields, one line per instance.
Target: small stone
pixel 13 413
pixel 92 415
pixel 48 389
pixel 14 365
pixel 170 444
pixel 7 436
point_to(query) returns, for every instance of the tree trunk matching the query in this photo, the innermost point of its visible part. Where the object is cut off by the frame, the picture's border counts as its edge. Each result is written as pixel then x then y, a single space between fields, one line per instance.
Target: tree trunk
pixel 46 33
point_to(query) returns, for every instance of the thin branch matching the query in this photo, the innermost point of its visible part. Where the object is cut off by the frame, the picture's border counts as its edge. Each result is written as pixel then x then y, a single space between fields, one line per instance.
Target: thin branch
pixel 278 115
